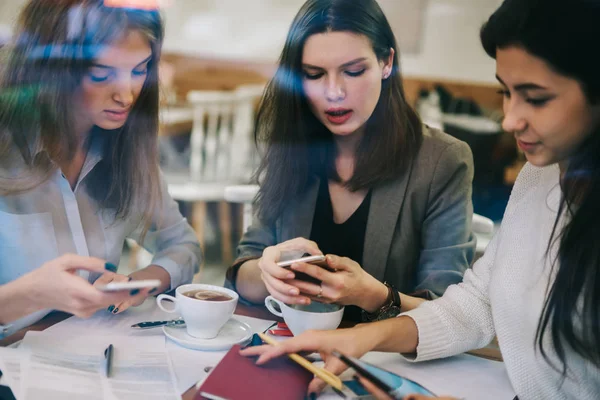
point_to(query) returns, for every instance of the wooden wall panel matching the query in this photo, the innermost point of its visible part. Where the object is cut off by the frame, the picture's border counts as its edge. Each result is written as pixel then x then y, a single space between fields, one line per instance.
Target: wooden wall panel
pixel 193 73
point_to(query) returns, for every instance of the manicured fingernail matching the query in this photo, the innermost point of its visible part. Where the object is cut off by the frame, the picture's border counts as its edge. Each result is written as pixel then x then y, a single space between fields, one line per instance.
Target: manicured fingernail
pixel 294 292
pixel 290 276
pixel 312 396
pixel 153 290
pixel 129 279
pixel 134 292
pixel 111 308
pixel 116 310
pixel 110 267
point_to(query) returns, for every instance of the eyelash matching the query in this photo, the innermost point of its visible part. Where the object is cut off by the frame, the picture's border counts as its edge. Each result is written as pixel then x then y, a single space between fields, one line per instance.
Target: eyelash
pixel 537 102
pixel 533 102
pixel 312 77
pixel 349 73
pixel 100 79
pixel 357 73
pixel 140 73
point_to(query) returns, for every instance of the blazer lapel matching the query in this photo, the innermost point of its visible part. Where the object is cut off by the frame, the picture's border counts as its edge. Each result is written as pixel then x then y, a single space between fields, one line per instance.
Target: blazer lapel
pixel 386 203
pixel 298 219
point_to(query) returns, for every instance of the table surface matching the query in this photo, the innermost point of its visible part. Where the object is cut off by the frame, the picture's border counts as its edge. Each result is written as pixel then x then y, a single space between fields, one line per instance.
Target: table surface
pixel 491 352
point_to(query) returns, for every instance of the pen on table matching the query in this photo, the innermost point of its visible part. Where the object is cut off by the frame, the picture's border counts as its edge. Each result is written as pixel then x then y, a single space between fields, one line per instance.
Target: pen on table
pixel 108 356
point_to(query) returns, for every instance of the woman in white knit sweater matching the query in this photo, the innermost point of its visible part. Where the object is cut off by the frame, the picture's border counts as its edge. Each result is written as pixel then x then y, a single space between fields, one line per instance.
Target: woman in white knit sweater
pixel 537 288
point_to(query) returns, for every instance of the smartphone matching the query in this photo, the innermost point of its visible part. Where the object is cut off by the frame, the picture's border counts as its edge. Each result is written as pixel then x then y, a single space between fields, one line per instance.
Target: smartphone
pixel 317 260
pixel 306 258
pixel 394 385
pixel 117 286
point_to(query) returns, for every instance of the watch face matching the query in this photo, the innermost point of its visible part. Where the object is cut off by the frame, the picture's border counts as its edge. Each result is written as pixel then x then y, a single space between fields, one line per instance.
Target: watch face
pixel 390 312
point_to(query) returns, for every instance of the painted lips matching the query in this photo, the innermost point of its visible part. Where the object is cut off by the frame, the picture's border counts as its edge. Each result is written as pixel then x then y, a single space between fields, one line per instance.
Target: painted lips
pixel 117 116
pixel 338 116
pixel 527 147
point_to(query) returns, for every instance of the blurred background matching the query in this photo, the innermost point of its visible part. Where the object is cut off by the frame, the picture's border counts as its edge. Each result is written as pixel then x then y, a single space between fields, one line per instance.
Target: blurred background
pixel 218 54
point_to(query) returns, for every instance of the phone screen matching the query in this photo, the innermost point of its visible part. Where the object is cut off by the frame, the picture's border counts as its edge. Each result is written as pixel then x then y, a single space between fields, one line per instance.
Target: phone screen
pixel 395 385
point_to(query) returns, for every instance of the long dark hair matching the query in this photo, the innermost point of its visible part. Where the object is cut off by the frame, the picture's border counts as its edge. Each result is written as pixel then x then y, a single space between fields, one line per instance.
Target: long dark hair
pixel 565 34
pixel 300 147
pixel 55 43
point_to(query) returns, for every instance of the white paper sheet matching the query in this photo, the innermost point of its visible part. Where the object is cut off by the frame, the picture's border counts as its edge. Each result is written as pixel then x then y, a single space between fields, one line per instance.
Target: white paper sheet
pixel 10 365
pixel 71 367
pixel 188 365
pixel 463 376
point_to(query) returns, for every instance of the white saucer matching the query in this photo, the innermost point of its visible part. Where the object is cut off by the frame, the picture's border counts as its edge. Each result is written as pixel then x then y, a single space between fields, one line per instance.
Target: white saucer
pixel 233 332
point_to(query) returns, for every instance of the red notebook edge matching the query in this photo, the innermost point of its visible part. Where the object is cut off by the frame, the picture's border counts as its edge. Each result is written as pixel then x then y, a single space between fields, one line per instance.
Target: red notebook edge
pixel 239 378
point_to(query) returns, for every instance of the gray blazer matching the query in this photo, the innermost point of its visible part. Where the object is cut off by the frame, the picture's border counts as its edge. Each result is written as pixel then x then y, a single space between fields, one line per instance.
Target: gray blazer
pixel 418 234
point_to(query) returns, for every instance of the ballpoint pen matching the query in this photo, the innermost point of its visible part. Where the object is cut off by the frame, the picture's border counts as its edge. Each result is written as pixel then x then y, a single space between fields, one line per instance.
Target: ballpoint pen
pixel 154 324
pixel 108 356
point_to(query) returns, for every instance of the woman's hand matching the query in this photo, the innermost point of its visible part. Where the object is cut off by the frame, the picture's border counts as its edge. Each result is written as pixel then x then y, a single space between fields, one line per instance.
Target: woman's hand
pixel 109 277
pixel 55 285
pixel 278 280
pixel 347 341
pixel 139 295
pixel 348 285
pixel 394 335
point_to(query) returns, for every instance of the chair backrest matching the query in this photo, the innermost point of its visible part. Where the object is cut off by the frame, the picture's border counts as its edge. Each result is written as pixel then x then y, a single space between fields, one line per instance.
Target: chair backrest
pixel 221 140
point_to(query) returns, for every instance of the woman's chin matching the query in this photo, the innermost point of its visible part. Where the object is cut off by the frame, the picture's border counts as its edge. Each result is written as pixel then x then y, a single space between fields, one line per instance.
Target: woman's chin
pixel 343 130
pixel 110 125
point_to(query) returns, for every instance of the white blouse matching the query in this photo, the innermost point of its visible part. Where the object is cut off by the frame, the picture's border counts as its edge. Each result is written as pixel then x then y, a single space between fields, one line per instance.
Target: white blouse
pixel 52 219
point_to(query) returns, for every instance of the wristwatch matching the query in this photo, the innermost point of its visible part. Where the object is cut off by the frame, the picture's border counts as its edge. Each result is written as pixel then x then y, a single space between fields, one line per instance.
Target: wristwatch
pixel 390 308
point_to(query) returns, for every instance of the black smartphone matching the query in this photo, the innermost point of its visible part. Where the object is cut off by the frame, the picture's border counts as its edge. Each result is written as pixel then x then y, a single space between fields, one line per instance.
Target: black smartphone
pixel 395 386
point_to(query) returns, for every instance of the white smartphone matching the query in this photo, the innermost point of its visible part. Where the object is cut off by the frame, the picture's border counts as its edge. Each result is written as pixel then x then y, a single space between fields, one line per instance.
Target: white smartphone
pixel 317 260
pixel 141 284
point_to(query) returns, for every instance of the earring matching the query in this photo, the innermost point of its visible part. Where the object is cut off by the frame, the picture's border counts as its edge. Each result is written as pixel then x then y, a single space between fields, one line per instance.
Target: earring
pixel 386 74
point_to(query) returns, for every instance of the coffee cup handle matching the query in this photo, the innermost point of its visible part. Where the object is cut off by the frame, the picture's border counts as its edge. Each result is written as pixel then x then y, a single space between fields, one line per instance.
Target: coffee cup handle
pixel 269 300
pixel 162 297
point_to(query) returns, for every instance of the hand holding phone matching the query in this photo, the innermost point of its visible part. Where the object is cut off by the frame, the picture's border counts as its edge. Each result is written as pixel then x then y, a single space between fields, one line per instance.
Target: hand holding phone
pixel 117 286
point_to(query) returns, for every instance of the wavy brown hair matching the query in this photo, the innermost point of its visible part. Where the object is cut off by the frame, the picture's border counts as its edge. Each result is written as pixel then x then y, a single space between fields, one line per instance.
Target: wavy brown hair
pixel 300 147
pixel 54 45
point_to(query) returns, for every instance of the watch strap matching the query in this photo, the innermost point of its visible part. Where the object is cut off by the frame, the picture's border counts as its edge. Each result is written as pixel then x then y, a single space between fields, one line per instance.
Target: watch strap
pixel 390 308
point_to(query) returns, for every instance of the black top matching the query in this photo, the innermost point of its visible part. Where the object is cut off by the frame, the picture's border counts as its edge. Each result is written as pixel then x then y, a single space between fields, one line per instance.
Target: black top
pixel 344 240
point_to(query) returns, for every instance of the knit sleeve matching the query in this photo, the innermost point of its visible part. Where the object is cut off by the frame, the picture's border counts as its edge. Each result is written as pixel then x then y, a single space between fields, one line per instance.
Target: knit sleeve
pixel 461 320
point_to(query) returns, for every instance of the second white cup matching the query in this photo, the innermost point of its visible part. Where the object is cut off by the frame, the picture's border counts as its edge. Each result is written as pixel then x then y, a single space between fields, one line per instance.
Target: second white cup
pixel 300 318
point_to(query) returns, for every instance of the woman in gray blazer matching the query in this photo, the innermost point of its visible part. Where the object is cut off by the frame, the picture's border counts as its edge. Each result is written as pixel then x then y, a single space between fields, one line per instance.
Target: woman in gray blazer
pixel 350 171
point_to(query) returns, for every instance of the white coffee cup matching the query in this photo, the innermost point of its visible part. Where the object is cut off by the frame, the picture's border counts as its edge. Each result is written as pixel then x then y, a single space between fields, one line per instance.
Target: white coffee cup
pixel 203 318
pixel 300 318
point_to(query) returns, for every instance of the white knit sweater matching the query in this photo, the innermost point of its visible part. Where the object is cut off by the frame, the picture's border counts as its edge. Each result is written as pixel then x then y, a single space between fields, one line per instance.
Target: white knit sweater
pixel 504 293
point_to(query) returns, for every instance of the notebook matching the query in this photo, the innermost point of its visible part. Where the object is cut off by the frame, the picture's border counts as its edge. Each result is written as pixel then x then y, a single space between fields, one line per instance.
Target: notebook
pixel 237 377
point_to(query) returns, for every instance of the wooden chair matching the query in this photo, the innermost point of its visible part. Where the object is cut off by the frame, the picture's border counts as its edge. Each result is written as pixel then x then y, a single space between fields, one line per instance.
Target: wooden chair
pixel 220 153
